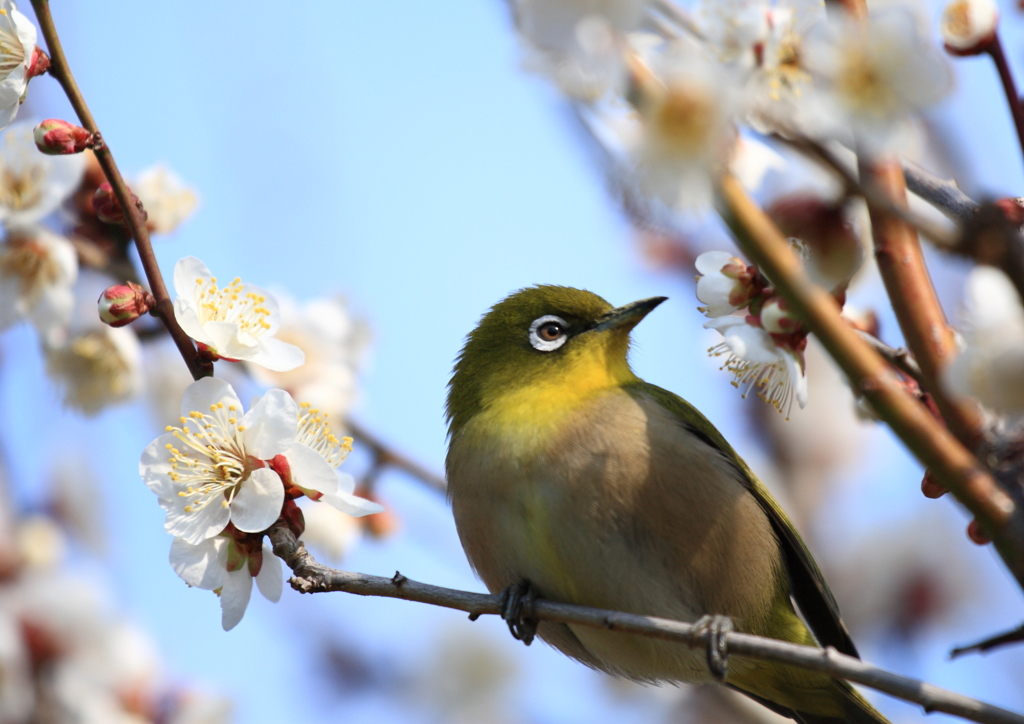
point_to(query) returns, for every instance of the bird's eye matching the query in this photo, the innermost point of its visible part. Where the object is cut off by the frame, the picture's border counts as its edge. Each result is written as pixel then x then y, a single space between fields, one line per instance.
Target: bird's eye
pixel 547 333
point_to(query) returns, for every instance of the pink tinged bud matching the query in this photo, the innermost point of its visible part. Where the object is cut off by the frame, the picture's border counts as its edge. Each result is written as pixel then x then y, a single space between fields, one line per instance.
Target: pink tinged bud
pixel 38 64
pixel 976 534
pixel 55 137
pixel 969 26
pixel 776 318
pixel 107 208
pixel 830 244
pixel 931 488
pixel 122 304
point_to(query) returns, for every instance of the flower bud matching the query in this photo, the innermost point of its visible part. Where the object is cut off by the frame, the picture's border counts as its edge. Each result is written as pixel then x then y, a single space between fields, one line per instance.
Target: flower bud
pixel 107 208
pixel 776 317
pixel 55 137
pixel 833 251
pixel 969 26
pixel 39 63
pixel 122 304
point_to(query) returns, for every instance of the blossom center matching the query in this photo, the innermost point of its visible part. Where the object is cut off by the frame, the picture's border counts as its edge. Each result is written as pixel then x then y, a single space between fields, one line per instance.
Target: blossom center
pixel 12 52
pixel 864 86
pixel 686 118
pixel 30 262
pixel 315 432
pixel 211 462
pixel 231 304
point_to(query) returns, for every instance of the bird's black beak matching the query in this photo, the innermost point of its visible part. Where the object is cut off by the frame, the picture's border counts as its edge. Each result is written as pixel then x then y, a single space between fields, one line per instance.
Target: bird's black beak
pixel 626 316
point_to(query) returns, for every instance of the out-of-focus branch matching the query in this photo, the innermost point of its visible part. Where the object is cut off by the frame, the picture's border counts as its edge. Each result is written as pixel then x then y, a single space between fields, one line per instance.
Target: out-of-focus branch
pixel 900 358
pixel 1003 639
pixel 944 195
pixel 313 577
pixel 995 49
pixel 866 188
pixel 384 455
pixel 912 294
pixel 952 464
pixel 164 308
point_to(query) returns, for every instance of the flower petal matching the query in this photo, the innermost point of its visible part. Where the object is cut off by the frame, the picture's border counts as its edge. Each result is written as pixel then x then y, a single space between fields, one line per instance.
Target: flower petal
pixel 270 579
pixel 234 597
pixel 352 504
pixel 278 356
pixel 193 525
pixel 711 262
pixel 310 470
pixel 206 392
pixel 258 502
pixel 271 425
pixel 751 343
pixel 187 317
pixel 199 565
pixel 155 467
pixel 186 272
pixel 230 341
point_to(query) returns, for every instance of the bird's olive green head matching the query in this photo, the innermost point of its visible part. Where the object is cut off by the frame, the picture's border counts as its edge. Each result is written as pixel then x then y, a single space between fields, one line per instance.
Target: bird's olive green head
pixel 546 344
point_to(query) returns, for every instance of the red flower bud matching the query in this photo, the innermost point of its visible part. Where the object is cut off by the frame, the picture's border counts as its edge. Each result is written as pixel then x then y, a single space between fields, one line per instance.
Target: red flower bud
pixel 107 208
pixel 39 63
pixel 976 534
pixel 55 137
pixel 122 304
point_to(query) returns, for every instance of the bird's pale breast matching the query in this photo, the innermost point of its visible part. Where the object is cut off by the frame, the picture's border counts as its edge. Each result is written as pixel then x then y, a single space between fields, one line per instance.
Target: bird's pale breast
pixel 617 506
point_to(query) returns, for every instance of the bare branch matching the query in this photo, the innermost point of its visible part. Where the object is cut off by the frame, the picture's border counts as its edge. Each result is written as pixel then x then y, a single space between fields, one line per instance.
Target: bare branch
pixel 164 308
pixel 1003 639
pixel 900 358
pixel 944 195
pixel 313 577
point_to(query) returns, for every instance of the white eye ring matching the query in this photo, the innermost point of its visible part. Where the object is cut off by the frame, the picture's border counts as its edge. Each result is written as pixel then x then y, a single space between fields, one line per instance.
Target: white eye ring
pixel 547 345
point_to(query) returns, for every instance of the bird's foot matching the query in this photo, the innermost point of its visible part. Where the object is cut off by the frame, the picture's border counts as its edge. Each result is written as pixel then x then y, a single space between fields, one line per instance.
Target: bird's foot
pixel 517 611
pixel 715 627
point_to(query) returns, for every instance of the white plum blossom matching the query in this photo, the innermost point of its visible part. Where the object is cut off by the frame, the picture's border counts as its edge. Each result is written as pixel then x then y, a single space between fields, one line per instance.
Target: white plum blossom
pixel 19 59
pixel 212 565
pixel 33 185
pixel 991 367
pixel 725 283
pixel 334 343
pixel 234 322
pixel 777 372
pixel 96 367
pixel 969 26
pixel 878 73
pixel 38 270
pixel 225 465
pixel 686 105
pixel 166 198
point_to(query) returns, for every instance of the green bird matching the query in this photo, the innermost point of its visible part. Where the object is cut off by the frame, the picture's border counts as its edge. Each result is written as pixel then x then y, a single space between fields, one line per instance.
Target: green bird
pixel 569 472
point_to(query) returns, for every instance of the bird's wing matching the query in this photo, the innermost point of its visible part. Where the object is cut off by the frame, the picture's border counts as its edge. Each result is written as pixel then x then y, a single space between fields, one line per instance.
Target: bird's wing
pixel 807 585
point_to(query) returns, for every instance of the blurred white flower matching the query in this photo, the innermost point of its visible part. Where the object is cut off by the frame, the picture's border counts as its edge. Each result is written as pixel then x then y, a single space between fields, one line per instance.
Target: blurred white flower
pixel 237 322
pixel 969 26
pixel 37 272
pixel 218 565
pixel 770 364
pixel 166 198
pixel 552 25
pixel 17 695
pixel 96 368
pixel 329 532
pixel 686 104
pixel 33 185
pixel 879 73
pixel 19 58
pixel 334 343
pixel 991 367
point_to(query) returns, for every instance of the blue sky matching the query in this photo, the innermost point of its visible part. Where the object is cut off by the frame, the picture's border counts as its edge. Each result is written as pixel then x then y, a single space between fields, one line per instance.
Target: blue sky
pixel 394 152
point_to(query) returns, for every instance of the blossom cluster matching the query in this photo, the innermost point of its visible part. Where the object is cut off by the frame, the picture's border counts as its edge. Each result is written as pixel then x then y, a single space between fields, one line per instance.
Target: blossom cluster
pixel 225 475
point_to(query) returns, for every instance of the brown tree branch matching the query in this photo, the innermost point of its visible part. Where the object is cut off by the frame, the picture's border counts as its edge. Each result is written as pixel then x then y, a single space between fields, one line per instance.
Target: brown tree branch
pixel 164 308
pixel 914 301
pixel 313 577
pixel 953 465
pixel 995 49
pixel 943 194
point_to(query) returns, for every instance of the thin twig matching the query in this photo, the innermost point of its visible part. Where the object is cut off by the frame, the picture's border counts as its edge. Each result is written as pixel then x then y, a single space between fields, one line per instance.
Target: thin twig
pixel 164 308
pixel 943 194
pixel 992 642
pixel 995 49
pixel 900 358
pixel 947 459
pixel 385 455
pixel 313 577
